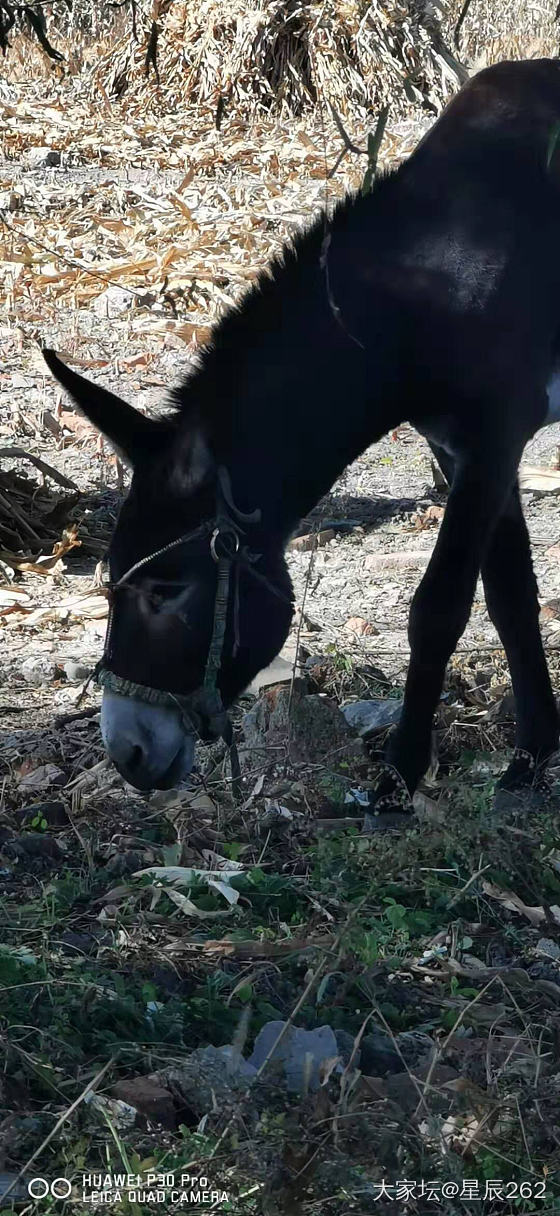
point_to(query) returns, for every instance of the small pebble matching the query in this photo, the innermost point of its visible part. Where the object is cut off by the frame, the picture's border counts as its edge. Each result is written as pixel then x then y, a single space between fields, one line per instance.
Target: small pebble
pixel 75 672
pixel 548 947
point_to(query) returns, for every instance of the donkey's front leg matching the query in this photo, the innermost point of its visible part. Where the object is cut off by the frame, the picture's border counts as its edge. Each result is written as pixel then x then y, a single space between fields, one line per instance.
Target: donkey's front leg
pixel 438 615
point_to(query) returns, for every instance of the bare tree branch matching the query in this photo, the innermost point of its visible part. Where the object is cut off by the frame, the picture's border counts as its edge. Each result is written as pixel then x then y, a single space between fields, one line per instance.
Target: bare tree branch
pixel 460 20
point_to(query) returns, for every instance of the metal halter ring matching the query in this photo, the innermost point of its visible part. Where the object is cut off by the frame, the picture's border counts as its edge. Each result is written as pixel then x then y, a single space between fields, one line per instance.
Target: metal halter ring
pixel 230 543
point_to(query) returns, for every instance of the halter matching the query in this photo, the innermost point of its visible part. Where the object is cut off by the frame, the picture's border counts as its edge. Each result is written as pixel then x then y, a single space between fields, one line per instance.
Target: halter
pixel 224 533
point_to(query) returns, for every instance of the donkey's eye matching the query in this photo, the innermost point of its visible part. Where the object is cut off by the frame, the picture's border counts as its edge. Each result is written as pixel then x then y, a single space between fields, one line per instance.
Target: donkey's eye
pixel 151 598
pixel 163 599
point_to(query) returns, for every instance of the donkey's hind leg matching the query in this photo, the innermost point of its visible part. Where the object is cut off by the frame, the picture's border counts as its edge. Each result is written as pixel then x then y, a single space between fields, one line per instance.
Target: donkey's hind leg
pixel 510 588
pixel 511 595
pixel 482 485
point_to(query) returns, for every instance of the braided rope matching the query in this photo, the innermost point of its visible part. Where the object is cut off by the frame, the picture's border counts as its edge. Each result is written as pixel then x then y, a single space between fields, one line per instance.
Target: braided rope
pixel 396 797
pixel 203 530
pixel 523 770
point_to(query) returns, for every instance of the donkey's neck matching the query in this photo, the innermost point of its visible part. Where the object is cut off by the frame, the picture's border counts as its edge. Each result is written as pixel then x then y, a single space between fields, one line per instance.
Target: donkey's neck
pixel 299 380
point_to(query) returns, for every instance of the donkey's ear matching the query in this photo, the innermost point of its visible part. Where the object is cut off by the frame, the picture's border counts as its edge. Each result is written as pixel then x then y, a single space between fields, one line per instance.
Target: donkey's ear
pixel 132 433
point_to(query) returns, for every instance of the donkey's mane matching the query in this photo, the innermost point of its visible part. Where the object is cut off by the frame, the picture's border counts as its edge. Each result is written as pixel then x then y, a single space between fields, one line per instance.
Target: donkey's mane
pixel 275 283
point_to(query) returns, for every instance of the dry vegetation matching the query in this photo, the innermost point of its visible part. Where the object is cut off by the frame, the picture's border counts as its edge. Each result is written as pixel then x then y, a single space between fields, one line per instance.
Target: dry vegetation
pixel 163 201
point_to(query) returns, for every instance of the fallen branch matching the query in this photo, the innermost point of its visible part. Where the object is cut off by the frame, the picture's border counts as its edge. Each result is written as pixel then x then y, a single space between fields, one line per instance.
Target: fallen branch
pixel 47 469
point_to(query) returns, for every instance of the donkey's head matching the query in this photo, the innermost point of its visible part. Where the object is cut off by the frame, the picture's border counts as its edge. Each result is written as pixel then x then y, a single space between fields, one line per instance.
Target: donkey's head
pixel 200 595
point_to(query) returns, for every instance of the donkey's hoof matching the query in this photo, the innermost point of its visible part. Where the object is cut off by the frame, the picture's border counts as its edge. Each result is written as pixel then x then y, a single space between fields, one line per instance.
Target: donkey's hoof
pixel 524 786
pixel 390 804
pixel 520 772
pixel 528 799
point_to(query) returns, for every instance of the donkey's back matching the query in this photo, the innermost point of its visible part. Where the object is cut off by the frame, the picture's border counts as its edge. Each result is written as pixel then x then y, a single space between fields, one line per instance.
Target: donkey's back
pixel 461 249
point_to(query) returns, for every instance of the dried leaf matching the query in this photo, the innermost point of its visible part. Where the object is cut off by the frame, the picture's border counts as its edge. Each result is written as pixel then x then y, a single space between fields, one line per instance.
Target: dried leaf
pixel 185 876
pixel 187 906
pixel 511 901
pixel 427 519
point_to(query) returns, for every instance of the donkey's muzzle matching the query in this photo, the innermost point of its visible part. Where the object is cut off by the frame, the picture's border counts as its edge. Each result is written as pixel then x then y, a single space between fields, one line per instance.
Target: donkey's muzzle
pixel 147 743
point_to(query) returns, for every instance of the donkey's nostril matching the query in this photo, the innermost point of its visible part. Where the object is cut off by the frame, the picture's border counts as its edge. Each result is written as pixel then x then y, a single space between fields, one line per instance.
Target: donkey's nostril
pixel 135 758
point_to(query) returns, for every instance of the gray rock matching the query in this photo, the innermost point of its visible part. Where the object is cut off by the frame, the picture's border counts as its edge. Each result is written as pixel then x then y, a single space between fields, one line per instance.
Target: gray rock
pixel 42 778
pixel 548 947
pixel 382 1055
pixel 75 672
pixel 34 846
pixel 208 1077
pixel 367 717
pixel 12 1191
pixel 113 302
pixel 315 731
pixel 149 1098
pixel 39 669
pixel 379 1055
pixel 237 1066
pixel 299 1056
pixel 53 812
pixel 415 1048
pixel 42 157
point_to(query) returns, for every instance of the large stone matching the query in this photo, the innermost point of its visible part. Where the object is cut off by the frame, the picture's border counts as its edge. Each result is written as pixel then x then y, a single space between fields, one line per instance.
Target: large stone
pixel 39 670
pixel 208 1078
pixel 378 1055
pixel 382 1055
pixel 52 813
pixel 113 302
pixel 312 726
pixel 299 1057
pixel 368 717
pixel 547 947
pixel 34 846
pixel 150 1099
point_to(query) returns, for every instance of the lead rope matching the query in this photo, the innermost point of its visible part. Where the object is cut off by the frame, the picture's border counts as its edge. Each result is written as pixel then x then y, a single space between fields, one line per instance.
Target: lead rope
pixel 213 663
